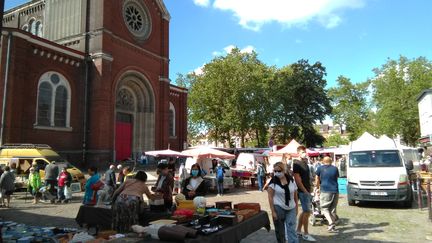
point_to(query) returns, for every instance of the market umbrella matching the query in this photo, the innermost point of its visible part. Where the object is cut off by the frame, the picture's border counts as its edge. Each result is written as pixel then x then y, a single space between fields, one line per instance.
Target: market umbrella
pixel 166 153
pixel 206 153
pixel 291 148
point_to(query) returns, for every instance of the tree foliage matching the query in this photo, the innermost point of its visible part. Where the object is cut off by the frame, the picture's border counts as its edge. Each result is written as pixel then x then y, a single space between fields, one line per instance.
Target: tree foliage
pixel 230 97
pixel 335 140
pixel 238 95
pixel 351 108
pixel 396 86
pixel 300 100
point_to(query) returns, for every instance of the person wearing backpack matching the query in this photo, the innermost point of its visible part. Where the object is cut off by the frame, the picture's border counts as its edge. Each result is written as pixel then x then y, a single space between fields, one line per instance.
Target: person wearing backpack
pixel 220 172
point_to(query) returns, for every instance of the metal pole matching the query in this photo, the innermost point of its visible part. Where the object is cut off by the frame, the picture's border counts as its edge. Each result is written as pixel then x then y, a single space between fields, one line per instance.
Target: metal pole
pixel 6 79
pixel 1 14
pixel 419 194
pixel 428 193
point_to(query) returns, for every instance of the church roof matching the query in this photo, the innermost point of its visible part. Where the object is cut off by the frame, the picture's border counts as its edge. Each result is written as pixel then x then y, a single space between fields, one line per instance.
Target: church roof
pixel 163 9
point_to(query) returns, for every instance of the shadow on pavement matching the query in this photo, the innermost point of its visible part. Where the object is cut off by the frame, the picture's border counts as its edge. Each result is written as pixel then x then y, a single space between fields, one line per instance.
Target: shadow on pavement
pixel 353 232
pixel 386 205
pixel 35 219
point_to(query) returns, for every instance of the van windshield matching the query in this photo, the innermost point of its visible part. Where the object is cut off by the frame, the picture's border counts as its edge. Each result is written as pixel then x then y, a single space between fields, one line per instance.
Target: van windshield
pixel 382 158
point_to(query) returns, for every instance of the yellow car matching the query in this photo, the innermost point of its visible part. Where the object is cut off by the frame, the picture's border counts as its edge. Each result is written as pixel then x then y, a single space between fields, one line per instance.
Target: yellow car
pixel 24 156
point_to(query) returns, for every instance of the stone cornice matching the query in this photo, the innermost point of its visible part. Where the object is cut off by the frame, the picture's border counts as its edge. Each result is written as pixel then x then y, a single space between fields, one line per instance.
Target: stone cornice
pixel 44 43
pixel 102 55
pixel 164 10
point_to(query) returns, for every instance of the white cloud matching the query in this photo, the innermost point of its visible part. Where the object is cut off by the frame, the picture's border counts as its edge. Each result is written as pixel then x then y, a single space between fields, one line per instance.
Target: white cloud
pixel 202 3
pixel 248 49
pixel 330 21
pixel 253 14
pixel 216 53
pixel 199 70
pixel 229 48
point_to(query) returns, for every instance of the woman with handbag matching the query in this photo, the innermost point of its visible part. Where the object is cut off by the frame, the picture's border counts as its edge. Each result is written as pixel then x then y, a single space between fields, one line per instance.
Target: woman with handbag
pixel 127 201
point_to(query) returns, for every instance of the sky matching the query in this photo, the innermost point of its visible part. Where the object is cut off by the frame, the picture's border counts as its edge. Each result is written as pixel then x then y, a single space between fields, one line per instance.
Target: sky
pixel 349 37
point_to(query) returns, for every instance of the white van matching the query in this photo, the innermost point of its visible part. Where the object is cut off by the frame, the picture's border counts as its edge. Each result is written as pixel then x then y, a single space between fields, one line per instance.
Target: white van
pixel 377 171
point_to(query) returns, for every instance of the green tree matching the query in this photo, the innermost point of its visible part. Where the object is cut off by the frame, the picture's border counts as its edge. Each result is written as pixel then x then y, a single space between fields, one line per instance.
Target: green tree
pixel 335 140
pixel 194 127
pixel 300 99
pixel 396 86
pixel 350 106
pixel 229 98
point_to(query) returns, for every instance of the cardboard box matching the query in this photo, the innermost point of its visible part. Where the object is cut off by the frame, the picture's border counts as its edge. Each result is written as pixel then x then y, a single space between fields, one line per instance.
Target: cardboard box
pixel 253 206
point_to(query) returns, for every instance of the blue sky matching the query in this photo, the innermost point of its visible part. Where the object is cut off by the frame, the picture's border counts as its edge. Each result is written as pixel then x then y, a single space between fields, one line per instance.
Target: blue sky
pixel 350 37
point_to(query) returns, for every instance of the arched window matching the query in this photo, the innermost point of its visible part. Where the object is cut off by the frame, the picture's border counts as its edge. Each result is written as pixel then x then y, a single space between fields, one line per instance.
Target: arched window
pixel 44 104
pixel 53 104
pixel 25 28
pixel 38 29
pixel 171 119
pixel 32 26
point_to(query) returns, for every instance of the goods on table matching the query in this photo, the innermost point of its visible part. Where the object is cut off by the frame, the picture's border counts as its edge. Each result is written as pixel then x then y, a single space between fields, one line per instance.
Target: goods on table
pixel 246 213
pixel 223 205
pixel 186 204
pixel 253 206
pixel 14 232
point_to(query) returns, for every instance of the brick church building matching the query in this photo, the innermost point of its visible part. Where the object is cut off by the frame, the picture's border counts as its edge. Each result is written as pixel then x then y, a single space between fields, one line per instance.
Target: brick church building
pixel 90 79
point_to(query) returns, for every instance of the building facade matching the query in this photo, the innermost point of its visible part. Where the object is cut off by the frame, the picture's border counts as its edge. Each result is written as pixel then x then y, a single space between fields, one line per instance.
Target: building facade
pixel 425 116
pixel 90 78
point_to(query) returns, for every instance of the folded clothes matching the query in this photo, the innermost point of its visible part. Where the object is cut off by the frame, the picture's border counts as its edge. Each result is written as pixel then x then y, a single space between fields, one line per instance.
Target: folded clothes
pixel 176 233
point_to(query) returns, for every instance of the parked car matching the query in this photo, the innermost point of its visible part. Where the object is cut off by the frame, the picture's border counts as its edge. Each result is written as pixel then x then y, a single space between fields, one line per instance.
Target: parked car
pixel 24 155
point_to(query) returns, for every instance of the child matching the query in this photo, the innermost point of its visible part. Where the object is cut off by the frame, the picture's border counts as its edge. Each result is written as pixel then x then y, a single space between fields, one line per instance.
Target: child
pixel 64 180
pixel 34 184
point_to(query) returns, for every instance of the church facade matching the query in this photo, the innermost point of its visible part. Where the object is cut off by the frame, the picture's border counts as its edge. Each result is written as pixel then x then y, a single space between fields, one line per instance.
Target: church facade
pixel 90 79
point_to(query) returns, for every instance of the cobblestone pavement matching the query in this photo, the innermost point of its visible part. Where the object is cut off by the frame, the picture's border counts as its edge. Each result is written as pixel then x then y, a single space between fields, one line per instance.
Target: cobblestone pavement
pixel 367 223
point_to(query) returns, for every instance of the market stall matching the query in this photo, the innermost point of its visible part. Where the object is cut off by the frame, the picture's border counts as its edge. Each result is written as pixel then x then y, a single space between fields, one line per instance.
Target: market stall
pixel 234 233
pixel 196 222
pixel 101 217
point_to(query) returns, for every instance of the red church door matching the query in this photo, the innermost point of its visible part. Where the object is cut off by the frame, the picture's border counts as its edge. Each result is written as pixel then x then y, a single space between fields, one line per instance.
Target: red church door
pixel 124 130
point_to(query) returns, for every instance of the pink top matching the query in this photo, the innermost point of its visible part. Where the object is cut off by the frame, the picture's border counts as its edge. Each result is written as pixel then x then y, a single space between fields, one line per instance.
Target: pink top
pixel 134 187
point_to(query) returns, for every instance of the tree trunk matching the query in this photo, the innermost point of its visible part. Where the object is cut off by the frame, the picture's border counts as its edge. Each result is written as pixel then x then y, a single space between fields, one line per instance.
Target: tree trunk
pixel 258 137
pixel 242 140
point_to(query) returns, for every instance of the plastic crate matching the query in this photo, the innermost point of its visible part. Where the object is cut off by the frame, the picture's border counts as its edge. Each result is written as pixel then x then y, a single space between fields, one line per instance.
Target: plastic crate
pixel 342 184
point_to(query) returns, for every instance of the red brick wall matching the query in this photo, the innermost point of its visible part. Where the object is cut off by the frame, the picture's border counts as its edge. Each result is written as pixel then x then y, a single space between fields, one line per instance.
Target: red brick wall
pixel 149 58
pixel 25 70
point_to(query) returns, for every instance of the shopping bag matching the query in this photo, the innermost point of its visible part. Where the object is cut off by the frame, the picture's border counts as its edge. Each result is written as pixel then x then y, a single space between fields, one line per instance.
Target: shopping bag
pixel 67 193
